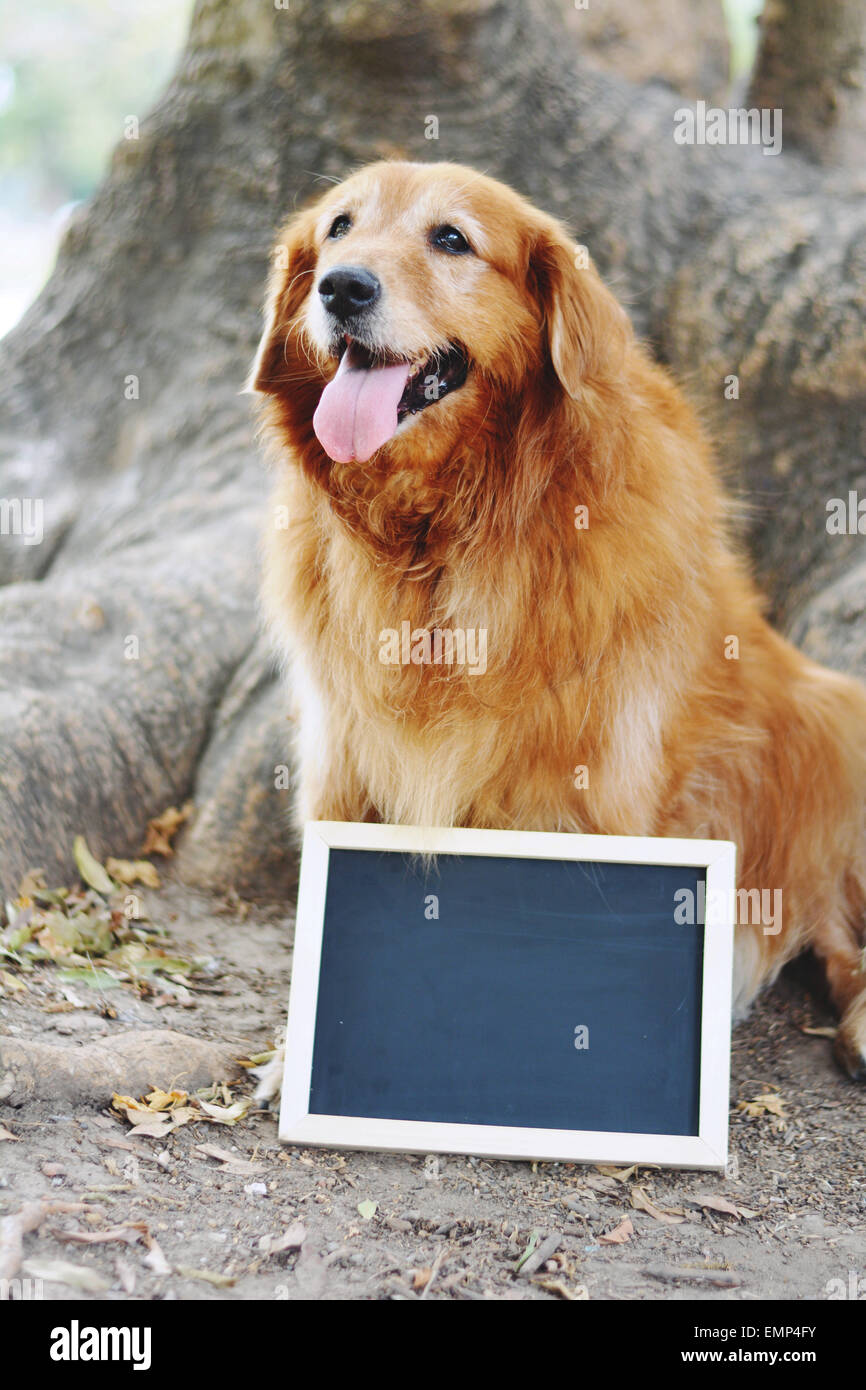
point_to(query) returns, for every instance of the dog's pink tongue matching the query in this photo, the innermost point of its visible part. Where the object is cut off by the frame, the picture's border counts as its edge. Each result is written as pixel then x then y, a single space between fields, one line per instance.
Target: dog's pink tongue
pixel 357 412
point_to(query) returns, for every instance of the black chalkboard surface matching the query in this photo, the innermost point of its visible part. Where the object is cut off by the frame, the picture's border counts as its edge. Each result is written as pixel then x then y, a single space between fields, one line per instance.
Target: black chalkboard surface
pixel 493 995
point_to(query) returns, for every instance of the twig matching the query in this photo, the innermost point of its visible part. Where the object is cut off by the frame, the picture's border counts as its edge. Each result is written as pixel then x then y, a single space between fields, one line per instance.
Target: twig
pixel 14 1228
pixel 435 1270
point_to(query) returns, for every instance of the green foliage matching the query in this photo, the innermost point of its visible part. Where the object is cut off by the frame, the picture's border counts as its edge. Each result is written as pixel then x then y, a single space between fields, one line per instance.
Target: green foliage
pixel 71 71
pixel 741 16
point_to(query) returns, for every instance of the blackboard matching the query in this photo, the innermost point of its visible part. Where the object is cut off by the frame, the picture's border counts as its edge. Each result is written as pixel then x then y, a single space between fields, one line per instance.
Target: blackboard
pixel 454 988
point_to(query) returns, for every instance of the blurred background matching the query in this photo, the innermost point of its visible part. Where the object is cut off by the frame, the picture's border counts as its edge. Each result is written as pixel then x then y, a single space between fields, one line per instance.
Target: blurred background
pixel 71 71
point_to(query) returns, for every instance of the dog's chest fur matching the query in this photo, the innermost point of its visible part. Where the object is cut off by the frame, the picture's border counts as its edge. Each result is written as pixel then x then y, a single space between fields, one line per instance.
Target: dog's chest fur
pixel 438 742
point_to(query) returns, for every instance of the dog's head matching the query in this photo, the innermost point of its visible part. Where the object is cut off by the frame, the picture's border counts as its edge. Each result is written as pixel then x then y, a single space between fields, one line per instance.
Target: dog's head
pixel 412 299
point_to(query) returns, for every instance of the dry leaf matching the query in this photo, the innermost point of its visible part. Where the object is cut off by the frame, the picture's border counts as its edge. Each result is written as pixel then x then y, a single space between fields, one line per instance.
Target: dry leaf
pixel 10 983
pixel 164 1100
pixel 61 1272
pixel 162 829
pixel 209 1276
pixel 129 1234
pixel 226 1115
pixel 367 1210
pixel 291 1239
pixel 618 1174
pixel 7 1134
pixel 32 883
pixel 90 868
pixel 155 1260
pixel 131 871
pixel 157 1128
pixel 641 1202
pixel 228 1159
pixel 156 1116
pixel 421 1278
pixel 623 1232
pixel 600 1184
pixel 720 1204
pixel 820 1032
pixel 767 1104
pixel 578 1294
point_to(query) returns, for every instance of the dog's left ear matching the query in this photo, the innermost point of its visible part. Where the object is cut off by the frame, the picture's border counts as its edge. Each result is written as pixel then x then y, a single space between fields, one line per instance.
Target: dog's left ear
pixel 588 332
pixel 292 267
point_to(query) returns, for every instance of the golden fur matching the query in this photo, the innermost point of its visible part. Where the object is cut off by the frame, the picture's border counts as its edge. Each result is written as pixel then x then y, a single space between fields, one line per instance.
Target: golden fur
pixel 609 647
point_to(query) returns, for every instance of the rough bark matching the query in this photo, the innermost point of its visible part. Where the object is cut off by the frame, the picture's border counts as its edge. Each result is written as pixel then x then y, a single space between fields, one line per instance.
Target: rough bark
pixel 812 64
pixel 729 261
pixel 657 40
pixel 130 1063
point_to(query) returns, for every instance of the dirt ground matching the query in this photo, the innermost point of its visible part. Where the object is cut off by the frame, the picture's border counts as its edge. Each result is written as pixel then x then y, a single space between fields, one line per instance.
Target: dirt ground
pixel 789 1221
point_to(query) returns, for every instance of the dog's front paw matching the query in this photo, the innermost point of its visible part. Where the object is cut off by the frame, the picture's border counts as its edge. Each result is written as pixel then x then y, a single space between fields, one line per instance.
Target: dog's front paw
pixel 270 1078
pixel 850 1044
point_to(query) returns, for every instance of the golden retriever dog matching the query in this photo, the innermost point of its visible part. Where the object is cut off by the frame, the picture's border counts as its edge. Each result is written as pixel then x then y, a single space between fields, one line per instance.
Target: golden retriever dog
pixel 499 569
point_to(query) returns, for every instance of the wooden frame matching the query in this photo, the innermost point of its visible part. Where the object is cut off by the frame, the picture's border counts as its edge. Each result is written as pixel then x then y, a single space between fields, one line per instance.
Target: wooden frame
pixel 707 1149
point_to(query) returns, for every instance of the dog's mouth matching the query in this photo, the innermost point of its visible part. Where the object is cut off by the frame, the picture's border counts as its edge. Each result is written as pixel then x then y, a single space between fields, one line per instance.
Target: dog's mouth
pixel 374 391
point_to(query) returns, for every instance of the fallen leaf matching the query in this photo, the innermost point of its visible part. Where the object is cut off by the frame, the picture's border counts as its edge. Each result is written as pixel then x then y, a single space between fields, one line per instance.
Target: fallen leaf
pixel 11 983
pixel 162 829
pixel 61 1272
pixel 291 1239
pixel 155 1260
pixel 767 1104
pixel 258 1059
pixel 32 883
pixel 367 1210
pixel 209 1276
pixel 618 1174
pixel 95 979
pixel 228 1159
pixel 578 1294
pixel 129 1234
pixel 131 871
pixel 421 1278
pixel 90 868
pixel 720 1204
pixel 159 1127
pixel 72 998
pixel 127 1103
pixel 158 1099
pixel 600 1184
pixel 157 1115
pixel 226 1115
pixel 641 1202
pixel 7 1134
pixel 623 1232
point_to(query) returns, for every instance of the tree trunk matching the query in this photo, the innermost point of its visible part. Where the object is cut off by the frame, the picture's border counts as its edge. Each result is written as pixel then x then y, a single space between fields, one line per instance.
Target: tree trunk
pixel 812 64
pixel 131 670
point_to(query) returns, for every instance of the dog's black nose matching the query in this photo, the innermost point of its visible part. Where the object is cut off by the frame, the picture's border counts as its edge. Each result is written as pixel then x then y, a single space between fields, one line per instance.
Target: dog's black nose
pixel 347 290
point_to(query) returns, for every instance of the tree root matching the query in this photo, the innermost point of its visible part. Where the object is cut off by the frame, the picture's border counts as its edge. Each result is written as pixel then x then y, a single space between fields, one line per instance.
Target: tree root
pixel 88 1074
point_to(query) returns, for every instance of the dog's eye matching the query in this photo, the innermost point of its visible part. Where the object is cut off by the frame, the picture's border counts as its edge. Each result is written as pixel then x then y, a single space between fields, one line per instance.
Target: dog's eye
pixel 340 226
pixel 449 239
